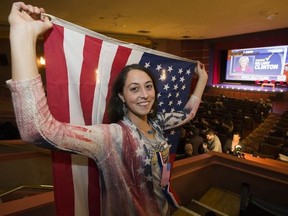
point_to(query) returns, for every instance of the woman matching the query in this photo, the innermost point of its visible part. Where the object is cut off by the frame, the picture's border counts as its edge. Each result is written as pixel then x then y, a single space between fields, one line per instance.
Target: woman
pixel 126 150
pixel 244 65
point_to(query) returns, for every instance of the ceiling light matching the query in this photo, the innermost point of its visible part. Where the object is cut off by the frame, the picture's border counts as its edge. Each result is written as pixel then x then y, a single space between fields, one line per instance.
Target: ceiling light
pixel 271 16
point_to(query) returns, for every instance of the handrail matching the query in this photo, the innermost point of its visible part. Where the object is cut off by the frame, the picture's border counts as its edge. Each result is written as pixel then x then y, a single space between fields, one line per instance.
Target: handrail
pixel 47 187
pixel 18 144
pixel 29 204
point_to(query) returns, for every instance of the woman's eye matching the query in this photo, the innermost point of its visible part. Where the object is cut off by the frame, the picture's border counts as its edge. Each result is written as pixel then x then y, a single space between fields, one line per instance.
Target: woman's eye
pixel 134 89
pixel 149 87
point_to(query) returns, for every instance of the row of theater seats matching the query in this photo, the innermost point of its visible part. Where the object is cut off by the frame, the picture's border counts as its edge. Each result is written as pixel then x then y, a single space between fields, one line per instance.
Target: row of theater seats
pixel 277 141
pixel 238 115
pixel 243 113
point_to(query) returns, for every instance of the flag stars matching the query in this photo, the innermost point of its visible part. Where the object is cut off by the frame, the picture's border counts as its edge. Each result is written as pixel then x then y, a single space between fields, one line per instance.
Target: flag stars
pixel 188 72
pixel 180 71
pixel 173 79
pixel 170 103
pixel 166 87
pixel 169 95
pixel 159 94
pixel 140 152
pixel 177 94
pixel 170 69
pixel 159 67
pixel 161 103
pixel 147 64
pixel 183 87
pixel 182 79
pixel 172 110
pixel 147 161
pixel 162 77
pixel 175 87
pixel 149 178
pixel 179 102
pixel 172 132
pixel 140 171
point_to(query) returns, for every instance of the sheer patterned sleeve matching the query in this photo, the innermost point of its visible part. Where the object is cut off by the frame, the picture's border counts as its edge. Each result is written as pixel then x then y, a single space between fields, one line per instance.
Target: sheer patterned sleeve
pixel 175 119
pixel 36 124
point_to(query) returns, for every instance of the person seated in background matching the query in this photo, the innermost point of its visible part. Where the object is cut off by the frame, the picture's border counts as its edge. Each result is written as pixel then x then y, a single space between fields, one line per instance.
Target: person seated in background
pixel 188 148
pixel 269 105
pixel 212 142
pixel 219 105
pixel 181 141
pixel 197 141
pixel 227 124
pixel 231 144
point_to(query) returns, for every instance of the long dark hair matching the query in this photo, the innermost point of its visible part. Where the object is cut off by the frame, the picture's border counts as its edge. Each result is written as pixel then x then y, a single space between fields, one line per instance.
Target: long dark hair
pixel 115 106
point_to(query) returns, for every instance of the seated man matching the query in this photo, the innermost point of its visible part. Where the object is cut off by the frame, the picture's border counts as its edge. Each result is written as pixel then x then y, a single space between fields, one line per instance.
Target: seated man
pixel 197 141
pixel 188 149
pixel 212 143
pixel 231 145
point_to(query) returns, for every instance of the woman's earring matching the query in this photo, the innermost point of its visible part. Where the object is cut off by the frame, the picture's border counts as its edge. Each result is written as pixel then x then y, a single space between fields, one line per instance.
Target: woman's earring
pixel 124 108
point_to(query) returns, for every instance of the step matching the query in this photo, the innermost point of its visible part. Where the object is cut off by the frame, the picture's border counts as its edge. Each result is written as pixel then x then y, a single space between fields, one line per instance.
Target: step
pixel 222 200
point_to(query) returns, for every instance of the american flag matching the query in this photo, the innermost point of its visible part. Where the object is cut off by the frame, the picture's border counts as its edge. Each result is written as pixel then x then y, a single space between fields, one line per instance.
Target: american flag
pixel 81 66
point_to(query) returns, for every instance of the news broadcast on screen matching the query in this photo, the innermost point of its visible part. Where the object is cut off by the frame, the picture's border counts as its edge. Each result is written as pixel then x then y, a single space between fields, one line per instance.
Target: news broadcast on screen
pixel 261 63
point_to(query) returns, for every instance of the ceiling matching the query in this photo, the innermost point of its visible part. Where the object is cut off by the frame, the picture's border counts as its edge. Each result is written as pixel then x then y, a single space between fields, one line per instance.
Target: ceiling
pixel 165 19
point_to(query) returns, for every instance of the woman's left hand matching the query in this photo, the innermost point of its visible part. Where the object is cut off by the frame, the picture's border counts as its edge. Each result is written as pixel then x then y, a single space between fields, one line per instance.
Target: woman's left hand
pixel 200 70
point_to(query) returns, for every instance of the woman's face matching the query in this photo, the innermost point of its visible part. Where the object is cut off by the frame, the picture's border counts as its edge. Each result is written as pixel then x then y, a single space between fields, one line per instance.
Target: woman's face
pixel 138 94
pixel 243 64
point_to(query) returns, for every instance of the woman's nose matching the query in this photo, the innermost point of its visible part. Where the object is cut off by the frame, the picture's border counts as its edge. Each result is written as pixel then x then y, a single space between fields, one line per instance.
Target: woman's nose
pixel 144 93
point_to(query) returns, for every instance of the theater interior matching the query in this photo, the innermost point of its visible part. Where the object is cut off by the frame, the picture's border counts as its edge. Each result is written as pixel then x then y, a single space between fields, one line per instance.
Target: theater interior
pixel 213 183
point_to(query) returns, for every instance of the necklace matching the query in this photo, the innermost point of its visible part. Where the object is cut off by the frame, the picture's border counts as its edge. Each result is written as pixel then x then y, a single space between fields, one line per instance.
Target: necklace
pixel 151 131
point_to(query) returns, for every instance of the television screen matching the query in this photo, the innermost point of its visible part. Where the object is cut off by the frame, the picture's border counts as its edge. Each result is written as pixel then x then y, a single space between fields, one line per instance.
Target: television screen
pixel 261 63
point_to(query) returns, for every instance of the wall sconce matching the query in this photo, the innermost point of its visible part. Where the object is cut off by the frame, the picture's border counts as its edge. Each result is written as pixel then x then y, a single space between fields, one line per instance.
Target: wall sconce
pixel 41 61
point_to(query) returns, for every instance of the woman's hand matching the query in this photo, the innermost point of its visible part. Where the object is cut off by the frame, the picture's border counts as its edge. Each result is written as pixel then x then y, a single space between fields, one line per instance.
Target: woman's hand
pixel 26 24
pixel 200 70
pixel 27 18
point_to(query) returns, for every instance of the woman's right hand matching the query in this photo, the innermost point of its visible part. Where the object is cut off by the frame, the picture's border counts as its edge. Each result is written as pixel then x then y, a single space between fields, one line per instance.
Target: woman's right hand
pixel 26 24
pixel 27 18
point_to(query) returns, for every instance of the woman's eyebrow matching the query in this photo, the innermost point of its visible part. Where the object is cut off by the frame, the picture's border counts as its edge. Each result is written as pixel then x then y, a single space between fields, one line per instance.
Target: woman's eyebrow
pixel 136 83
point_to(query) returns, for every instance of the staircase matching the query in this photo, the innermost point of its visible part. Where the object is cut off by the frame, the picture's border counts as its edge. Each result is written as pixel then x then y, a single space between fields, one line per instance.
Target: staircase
pixel 215 201
pixel 25 180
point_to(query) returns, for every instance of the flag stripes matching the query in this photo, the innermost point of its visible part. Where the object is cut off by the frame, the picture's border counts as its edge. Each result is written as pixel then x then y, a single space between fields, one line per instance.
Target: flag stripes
pixel 81 66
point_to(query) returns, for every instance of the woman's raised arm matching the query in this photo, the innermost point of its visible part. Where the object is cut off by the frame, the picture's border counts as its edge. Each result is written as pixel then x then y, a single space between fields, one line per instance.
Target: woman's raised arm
pixel 26 24
pixel 195 99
